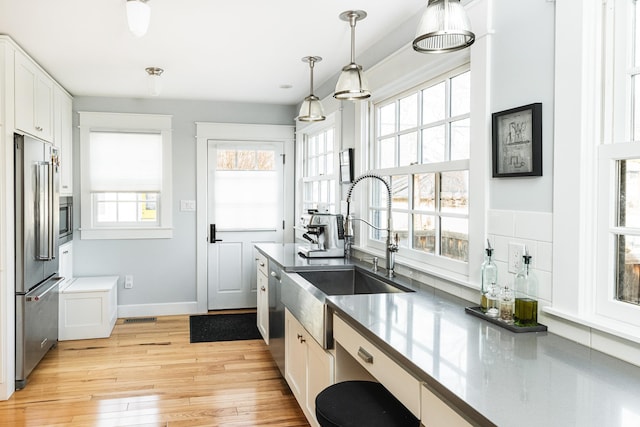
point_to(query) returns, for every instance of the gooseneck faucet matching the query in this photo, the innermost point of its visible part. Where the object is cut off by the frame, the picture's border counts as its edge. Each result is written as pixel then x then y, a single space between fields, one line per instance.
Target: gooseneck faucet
pixel 392 246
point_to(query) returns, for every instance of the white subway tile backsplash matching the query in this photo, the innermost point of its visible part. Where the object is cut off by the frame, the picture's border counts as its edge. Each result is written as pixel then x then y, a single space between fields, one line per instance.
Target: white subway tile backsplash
pixel 500 222
pixel 544 256
pixel 533 226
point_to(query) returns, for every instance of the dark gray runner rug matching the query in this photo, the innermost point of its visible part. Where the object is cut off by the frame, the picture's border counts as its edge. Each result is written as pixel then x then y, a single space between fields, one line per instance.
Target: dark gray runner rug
pixel 223 327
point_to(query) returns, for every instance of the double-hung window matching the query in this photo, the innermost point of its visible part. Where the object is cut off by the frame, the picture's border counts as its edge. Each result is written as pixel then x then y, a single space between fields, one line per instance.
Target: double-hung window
pixel 319 180
pixel 618 285
pixel 421 146
pixel 125 176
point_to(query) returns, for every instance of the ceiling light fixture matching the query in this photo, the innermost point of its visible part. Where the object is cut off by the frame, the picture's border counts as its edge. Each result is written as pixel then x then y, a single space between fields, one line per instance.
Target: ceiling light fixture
pixel 311 109
pixel 352 84
pixel 138 16
pixel 444 27
pixel 155 85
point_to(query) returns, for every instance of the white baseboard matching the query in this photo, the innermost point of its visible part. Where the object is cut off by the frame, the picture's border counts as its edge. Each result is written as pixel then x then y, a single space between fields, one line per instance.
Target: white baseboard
pixel 167 309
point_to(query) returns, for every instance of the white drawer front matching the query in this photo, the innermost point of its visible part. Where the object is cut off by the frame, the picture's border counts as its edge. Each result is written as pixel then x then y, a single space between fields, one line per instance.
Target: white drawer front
pixel 404 386
pixel 263 264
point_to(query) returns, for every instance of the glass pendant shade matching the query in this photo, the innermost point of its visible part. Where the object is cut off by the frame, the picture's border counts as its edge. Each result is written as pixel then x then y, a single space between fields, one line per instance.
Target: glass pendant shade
pixel 138 16
pixel 155 83
pixel 444 27
pixel 352 84
pixel 311 109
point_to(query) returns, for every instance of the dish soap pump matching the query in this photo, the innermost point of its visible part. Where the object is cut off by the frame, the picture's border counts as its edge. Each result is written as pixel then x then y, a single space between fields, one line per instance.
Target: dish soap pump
pixel 526 284
pixel 489 277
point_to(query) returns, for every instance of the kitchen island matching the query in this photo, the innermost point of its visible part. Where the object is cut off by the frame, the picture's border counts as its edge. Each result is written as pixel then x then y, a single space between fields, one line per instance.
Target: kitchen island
pixel 485 373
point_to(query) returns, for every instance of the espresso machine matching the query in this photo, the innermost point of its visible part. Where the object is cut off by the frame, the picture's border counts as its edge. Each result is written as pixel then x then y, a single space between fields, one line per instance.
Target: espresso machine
pixel 325 233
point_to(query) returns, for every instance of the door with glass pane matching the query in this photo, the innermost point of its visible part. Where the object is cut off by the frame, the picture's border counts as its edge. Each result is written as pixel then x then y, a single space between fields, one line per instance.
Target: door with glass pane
pixel 245 207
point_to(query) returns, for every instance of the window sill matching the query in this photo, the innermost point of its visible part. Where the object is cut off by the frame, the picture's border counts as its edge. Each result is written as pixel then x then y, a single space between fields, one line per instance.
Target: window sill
pixel 439 273
pixel 126 233
pixel 599 323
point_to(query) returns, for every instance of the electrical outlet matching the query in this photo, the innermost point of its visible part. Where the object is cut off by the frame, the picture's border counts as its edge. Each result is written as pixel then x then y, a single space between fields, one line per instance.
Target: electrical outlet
pixel 516 251
pixel 128 282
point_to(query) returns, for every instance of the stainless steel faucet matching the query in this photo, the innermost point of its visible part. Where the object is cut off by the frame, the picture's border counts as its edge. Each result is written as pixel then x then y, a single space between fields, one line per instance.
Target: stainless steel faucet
pixel 392 246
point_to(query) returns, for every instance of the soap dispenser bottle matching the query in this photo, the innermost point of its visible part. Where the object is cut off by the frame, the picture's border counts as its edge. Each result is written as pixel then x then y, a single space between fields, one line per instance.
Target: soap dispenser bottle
pixel 526 286
pixel 489 277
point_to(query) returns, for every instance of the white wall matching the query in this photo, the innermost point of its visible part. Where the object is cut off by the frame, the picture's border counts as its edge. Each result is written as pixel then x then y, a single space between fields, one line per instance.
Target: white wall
pixel 163 270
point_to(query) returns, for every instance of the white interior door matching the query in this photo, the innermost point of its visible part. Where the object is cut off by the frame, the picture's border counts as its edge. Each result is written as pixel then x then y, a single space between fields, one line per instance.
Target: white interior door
pixel 245 206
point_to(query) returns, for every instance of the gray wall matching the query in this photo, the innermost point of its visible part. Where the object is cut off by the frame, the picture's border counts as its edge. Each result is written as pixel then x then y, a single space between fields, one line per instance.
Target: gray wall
pixel 522 63
pixel 164 270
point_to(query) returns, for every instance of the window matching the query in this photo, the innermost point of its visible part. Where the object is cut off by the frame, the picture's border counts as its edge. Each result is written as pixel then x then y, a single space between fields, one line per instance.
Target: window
pixel 421 146
pixel 125 175
pixel 618 286
pixel 320 178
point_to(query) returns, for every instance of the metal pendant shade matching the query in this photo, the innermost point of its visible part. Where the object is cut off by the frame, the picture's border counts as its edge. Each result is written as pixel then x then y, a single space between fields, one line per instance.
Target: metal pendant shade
pixel 444 27
pixel 352 84
pixel 311 109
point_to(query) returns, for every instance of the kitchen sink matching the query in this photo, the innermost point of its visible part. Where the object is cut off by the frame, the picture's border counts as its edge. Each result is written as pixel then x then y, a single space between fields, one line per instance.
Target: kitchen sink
pixel 350 282
pixel 304 294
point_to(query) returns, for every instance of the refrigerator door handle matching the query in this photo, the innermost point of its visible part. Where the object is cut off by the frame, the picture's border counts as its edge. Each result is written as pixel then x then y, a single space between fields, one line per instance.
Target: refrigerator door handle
pixel 43 213
pixel 52 214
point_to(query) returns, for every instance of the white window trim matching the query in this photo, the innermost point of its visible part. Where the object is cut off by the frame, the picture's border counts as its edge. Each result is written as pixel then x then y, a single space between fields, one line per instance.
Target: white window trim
pixel 125 122
pixel 578 270
pixel 385 82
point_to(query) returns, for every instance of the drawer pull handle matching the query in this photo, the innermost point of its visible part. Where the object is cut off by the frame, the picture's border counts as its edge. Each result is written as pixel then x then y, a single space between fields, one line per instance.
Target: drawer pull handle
pixel 262 264
pixel 262 288
pixel 364 355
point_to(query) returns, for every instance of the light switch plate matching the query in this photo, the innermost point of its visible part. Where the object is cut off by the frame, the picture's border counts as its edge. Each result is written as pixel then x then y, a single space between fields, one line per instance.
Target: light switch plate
pixel 187 205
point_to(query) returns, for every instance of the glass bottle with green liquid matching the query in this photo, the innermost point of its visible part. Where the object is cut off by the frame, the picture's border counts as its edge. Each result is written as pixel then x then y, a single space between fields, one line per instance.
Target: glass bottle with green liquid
pixel 526 287
pixel 489 279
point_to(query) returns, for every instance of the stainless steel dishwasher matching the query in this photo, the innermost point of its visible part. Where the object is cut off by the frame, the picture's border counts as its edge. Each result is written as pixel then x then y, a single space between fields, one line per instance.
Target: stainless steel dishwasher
pixel 276 315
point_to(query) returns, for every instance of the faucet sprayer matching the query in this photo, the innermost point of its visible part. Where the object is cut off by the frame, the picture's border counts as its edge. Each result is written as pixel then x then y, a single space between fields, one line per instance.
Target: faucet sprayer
pixel 391 247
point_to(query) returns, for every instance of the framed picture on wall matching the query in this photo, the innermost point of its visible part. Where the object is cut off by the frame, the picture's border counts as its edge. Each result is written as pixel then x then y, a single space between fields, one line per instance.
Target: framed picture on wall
pixel 517 141
pixel 346 166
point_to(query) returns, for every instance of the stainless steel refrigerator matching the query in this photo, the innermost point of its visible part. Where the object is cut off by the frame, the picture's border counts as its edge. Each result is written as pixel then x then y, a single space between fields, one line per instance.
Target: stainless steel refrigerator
pixel 36 246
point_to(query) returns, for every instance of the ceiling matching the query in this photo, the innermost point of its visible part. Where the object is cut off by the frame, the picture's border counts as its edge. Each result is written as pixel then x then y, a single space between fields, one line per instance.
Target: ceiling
pixel 233 50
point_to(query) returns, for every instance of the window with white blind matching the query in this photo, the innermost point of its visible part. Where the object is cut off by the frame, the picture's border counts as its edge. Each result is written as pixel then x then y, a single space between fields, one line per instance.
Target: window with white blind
pixel 125 176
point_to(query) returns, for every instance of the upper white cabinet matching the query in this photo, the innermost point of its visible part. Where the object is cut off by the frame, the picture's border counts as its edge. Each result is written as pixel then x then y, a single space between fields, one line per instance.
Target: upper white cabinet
pixel 62 108
pixel 33 99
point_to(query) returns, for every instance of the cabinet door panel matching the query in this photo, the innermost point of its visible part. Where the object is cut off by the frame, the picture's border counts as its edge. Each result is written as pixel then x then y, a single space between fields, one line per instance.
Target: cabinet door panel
pixel 295 357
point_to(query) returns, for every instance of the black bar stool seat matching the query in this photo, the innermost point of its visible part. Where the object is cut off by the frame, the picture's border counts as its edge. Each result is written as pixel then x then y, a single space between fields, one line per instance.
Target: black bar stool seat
pixel 361 404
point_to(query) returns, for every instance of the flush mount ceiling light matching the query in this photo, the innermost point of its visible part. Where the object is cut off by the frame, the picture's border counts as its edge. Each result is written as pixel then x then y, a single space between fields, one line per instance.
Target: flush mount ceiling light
pixel 444 27
pixel 138 16
pixel 155 85
pixel 311 109
pixel 352 84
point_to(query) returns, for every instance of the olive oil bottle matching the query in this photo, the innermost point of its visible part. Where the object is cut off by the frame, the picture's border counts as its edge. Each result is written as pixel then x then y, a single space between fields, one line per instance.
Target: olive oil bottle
pixel 489 277
pixel 526 286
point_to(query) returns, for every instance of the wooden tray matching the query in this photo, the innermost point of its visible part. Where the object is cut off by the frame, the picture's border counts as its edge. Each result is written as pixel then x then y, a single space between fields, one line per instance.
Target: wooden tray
pixel 477 311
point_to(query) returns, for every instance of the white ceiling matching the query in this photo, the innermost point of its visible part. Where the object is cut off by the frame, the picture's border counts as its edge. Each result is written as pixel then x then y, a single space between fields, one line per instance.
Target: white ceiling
pixel 233 50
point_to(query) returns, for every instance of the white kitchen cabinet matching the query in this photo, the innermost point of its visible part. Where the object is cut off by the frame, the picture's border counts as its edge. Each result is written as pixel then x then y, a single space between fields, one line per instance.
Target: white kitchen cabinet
pixel 33 99
pixel 62 138
pixel 404 386
pixel 308 367
pixel 65 258
pixel 437 413
pixel 262 304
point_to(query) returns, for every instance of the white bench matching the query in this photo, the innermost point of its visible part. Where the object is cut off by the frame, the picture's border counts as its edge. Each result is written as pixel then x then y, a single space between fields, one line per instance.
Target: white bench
pixel 88 308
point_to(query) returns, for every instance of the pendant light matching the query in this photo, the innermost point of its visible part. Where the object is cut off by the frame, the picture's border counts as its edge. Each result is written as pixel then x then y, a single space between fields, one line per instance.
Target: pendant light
pixel 155 85
pixel 444 27
pixel 352 84
pixel 311 109
pixel 138 16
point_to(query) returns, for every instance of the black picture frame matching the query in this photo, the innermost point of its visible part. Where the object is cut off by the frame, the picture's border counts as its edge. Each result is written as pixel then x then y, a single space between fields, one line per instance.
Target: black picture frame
pixel 517 141
pixel 346 166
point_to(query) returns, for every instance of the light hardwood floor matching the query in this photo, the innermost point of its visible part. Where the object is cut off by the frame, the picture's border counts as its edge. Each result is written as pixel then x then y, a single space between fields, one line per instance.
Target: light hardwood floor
pixel 148 374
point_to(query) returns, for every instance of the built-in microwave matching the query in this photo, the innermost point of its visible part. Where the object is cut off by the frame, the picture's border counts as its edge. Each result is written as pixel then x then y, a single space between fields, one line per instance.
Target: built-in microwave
pixel 66 220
